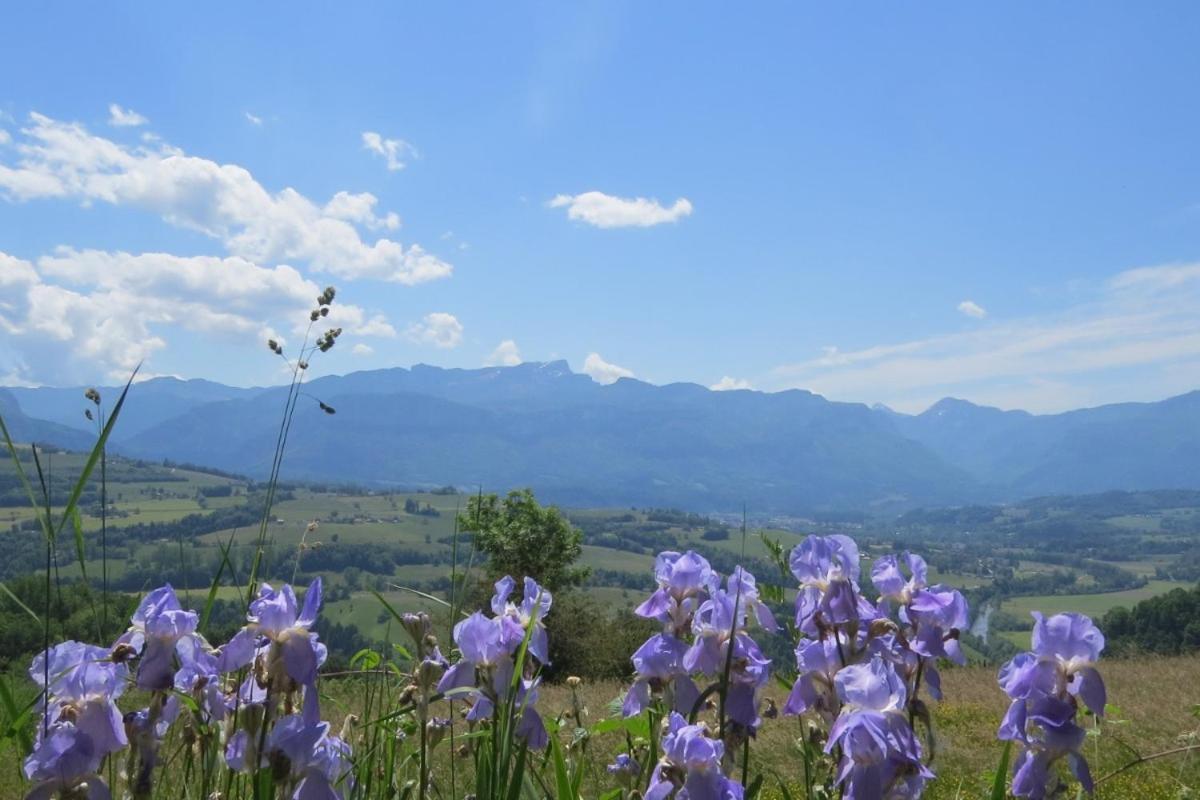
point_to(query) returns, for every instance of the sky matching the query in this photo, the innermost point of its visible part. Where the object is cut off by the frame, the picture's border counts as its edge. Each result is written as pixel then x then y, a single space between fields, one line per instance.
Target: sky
pixel 879 202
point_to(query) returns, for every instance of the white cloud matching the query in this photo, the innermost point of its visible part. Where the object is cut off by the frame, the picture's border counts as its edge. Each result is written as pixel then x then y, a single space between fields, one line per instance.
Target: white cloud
pixel 1122 343
pixel 603 372
pixel 78 315
pixel 360 208
pixel 730 384
pixel 253 120
pixel 124 117
pixel 972 309
pixel 5 136
pixel 394 152
pixel 606 211
pixel 223 201
pixel 438 329
pixel 361 349
pixel 506 354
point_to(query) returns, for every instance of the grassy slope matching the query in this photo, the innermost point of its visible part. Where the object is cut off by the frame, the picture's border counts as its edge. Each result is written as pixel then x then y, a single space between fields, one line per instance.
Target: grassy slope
pixel 1155 698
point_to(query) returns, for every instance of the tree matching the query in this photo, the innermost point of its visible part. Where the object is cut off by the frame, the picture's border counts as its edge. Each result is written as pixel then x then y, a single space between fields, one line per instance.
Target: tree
pixel 523 538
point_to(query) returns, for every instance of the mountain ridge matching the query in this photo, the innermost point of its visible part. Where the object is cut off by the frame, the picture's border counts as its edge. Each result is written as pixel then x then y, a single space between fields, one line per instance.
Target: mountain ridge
pixel 632 442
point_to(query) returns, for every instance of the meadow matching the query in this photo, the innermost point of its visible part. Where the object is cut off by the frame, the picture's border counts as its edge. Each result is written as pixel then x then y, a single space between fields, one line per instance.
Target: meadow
pixel 385 551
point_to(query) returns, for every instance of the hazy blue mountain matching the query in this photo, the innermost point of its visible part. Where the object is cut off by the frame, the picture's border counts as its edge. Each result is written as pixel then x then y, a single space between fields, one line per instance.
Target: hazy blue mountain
pixel 633 443
pixel 149 403
pixel 23 428
pixel 1017 454
pixel 573 440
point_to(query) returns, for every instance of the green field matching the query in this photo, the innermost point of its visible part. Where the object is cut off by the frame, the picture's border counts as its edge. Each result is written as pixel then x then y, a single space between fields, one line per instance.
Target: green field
pixel 1091 604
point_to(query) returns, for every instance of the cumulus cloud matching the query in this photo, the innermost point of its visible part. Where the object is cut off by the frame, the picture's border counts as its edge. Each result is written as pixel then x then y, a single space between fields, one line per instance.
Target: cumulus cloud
pixel 223 201
pixel 506 354
pixel 361 349
pixel 972 309
pixel 360 208
pixel 727 384
pixel 1135 334
pixel 603 372
pixel 5 136
pixel 77 315
pixel 438 329
pixel 394 152
pixel 124 117
pixel 253 120
pixel 606 211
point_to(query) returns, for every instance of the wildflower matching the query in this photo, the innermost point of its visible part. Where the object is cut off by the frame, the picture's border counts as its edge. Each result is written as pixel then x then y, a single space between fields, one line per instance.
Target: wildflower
pixel 159 625
pixel 516 619
pixel 295 653
pixel 1046 686
pixel 817 663
pixel 690 767
pixel 880 751
pixel 684 581
pixel 827 569
pixel 84 685
pixel 488 647
pixel 199 677
pixel 625 769
pixel 311 761
pixel 719 624
pixel 658 665
pixel 890 581
pixel 66 762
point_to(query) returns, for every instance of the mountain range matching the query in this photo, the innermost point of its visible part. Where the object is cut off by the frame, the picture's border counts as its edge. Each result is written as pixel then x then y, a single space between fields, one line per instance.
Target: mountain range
pixel 632 443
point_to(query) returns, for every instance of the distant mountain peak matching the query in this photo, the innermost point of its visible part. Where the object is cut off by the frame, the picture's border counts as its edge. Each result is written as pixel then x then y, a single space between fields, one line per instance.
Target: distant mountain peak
pixel 557 367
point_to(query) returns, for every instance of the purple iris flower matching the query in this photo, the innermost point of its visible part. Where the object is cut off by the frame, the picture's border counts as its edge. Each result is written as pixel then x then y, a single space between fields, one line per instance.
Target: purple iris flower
pixel 238 652
pixel 684 581
pixel 159 624
pixel 658 665
pixel 938 614
pixel 295 651
pixel 890 581
pixel 741 584
pixel 77 670
pixel 530 728
pixel 485 655
pixel 625 769
pixel 200 678
pixel 515 619
pixel 817 662
pixel 84 684
pixel 878 745
pixel 827 569
pixel 690 768
pixel 316 762
pixel 1046 686
pixel 488 647
pixel 65 764
pixel 719 618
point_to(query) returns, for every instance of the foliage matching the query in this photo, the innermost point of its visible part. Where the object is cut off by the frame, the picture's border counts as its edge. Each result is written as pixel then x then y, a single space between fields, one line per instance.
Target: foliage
pixel 1167 624
pixel 522 538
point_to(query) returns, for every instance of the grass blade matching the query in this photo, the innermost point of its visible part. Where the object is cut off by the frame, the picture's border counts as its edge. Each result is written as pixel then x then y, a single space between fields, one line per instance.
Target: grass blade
pixel 211 600
pixel 16 459
pixel 17 600
pixel 562 781
pixel 418 593
pixel 1000 785
pixel 94 456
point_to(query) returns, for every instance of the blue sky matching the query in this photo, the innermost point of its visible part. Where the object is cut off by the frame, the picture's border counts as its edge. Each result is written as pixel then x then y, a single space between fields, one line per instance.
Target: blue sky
pixel 878 203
